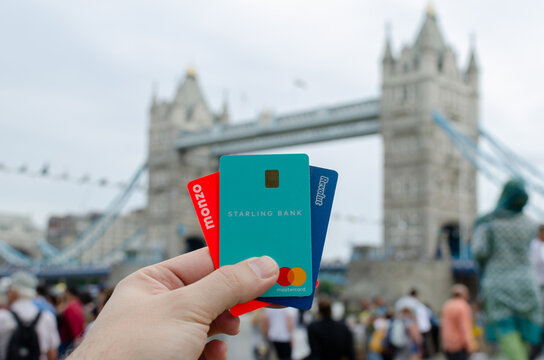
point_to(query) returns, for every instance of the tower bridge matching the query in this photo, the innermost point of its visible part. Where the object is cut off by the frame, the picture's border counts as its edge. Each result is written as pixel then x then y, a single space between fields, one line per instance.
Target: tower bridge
pixel 427 116
pixel 270 131
pixel 428 186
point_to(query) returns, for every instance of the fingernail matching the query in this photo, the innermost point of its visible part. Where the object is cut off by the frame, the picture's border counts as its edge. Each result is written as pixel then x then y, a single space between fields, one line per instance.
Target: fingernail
pixel 264 267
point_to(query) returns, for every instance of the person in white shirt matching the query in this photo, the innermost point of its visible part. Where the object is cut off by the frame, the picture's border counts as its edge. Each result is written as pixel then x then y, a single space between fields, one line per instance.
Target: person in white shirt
pixel 537 256
pixel 278 325
pixel 422 314
pixel 20 295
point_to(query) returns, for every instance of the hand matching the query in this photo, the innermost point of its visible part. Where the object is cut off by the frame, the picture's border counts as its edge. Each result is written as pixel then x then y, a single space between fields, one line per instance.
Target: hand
pixel 168 310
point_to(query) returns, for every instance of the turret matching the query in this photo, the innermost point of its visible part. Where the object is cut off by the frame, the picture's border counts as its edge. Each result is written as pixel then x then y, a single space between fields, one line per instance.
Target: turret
pixel 423 188
pixel 388 61
pixel 189 109
pixel 154 101
pixel 429 44
pixel 472 73
pixel 223 117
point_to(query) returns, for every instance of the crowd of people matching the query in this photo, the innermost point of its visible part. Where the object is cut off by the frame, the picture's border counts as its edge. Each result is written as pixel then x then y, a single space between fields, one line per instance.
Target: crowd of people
pixel 406 329
pixel 508 308
pixel 58 314
pixel 36 323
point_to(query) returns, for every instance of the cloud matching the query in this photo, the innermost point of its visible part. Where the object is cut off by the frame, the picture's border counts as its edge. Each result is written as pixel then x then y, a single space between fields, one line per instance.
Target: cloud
pixel 76 78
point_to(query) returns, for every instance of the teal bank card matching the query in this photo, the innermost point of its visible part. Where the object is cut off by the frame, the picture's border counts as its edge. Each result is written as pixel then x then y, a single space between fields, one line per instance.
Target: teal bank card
pixel 264 209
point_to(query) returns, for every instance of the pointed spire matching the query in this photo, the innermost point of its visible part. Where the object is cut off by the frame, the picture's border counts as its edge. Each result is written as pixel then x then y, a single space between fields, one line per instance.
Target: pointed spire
pixel 472 73
pixel 387 54
pixel 154 90
pixel 472 62
pixel 429 36
pixel 431 12
pixel 190 72
pixel 225 112
pixel 189 93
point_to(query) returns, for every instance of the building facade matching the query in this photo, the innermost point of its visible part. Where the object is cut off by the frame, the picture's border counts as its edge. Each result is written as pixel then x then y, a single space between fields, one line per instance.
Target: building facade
pixel 21 233
pixel 428 186
pixel 170 217
pixel 63 230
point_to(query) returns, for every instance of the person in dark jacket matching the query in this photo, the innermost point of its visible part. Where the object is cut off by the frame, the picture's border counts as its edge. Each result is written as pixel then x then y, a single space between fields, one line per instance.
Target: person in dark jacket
pixel 329 339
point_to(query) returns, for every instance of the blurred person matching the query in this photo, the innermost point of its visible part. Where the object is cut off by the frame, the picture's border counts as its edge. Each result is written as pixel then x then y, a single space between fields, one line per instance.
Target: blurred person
pixel 42 301
pixel 5 283
pixel 366 312
pixel 103 298
pixel 366 317
pixel 482 345
pixel 278 326
pixel 380 308
pixel 261 349
pixel 422 315
pixel 329 339
pixel 537 256
pixel 24 329
pixel 434 335
pixel 301 348
pixel 403 340
pixel 537 260
pixel 377 338
pixel 338 310
pixel 358 332
pixel 71 318
pixel 509 288
pixel 457 328
pixel 170 309
pixel 88 303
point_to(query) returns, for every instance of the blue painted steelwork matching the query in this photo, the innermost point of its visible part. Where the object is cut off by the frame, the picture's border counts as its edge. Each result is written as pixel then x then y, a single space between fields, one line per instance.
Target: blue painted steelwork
pixel 94 232
pixel 13 256
pixel 69 256
pixel 325 123
pixel 497 167
pixel 119 253
pixel 464 267
pixel 100 268
pixel 47 249
pixel 521 165
pixel 78 271
pixel 333 273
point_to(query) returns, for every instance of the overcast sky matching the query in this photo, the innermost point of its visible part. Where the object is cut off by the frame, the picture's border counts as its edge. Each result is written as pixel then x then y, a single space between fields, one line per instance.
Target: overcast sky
pixel 76 80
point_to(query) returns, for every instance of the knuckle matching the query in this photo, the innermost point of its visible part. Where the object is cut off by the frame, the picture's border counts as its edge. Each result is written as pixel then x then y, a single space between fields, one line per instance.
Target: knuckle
pixel 231 279
pixel 126 281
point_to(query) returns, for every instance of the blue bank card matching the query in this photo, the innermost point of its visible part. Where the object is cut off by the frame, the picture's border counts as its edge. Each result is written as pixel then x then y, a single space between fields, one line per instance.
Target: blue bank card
pixel 322 189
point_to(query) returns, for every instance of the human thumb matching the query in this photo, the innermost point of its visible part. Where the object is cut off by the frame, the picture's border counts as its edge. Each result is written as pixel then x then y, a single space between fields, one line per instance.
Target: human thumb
pixel 233 284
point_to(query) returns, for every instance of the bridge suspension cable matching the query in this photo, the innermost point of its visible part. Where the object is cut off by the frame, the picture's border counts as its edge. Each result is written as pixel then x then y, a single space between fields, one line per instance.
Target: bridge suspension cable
pixel 523 166
pixel 13 256
pixel 47 249
pixel 71 253
pixel 119 253
pixel 498 165
pixel 96 230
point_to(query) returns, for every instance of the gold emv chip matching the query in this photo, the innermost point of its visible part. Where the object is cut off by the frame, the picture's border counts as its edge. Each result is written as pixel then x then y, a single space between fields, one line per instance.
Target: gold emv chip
pixel 271 178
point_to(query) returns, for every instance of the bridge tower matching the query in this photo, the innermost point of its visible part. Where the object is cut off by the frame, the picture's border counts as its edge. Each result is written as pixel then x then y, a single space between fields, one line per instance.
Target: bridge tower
pixel 170 214
pixel 427 186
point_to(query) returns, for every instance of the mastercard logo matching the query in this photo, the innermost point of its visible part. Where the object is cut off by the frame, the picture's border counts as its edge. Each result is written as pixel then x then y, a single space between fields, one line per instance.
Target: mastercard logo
pixel 295 276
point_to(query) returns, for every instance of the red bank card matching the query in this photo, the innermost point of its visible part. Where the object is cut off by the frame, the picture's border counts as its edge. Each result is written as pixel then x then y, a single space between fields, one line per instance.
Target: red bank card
pixel 205 196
